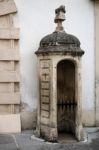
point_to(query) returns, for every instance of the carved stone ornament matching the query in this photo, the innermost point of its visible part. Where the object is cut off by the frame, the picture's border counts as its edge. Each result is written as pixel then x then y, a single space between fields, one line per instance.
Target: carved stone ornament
pixel 59 40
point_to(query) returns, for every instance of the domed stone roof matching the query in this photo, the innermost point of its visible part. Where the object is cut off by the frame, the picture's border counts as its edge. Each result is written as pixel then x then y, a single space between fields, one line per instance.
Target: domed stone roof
pixel 59 38
pixel 59 41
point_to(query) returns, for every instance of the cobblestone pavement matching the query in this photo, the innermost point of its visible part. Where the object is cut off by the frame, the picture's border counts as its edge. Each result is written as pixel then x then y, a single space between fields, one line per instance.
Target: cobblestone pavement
pixel 24 141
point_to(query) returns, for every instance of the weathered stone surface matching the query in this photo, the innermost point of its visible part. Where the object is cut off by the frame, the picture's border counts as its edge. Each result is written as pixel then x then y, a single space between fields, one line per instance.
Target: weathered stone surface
pixel 7 7
pixel 10 123
pixel 45 107
pixel 44 113
pixel 6 65
pixel 45 77
pixel 9 54
pixel 45 92
pixel 9 33
pixel 45 85
pixel 5 21
pixel 45 132
pixel 45 99
pixel 45 121
pixel 45 63
pixel 28 119
pixel 5 87
pixel 59 38
pixel 9 98
pixel 60 14
pixel 11 76
pixel 64 92
pixel 9 65
pixel 60 41
pixel 45 71
pixel 88 118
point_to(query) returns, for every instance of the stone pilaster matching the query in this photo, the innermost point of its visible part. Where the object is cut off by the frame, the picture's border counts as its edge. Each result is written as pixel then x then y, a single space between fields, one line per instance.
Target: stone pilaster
pixel 9 69
pixel 97 59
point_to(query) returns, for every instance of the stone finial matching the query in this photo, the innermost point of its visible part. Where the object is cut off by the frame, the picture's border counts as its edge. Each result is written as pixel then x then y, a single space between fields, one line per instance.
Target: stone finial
pixel 60 17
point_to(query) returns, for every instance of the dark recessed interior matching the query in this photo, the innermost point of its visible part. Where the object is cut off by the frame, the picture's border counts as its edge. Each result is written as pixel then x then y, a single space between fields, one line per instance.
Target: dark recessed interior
pixel 66 103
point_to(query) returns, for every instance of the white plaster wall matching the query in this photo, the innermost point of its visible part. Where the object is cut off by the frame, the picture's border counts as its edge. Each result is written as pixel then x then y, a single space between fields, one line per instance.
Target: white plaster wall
pixel 35 21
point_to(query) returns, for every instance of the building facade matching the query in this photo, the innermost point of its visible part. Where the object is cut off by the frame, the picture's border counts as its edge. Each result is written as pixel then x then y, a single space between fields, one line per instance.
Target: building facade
pixel 35 20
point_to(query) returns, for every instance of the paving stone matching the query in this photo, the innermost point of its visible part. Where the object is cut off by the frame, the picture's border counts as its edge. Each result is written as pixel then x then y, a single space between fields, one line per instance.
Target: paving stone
pixel 6 139
pixel 7 142
pixel 23 141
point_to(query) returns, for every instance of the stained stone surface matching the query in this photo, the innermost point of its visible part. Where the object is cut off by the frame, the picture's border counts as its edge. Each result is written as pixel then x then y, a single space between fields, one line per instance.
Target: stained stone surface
pixel 23 141
pixel 60 42
pixel 59 38
pixel 7 142
pixel 6 139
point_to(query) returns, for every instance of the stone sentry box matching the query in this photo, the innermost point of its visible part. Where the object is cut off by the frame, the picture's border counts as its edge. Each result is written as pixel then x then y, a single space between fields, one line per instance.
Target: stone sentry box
pixel 59 63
